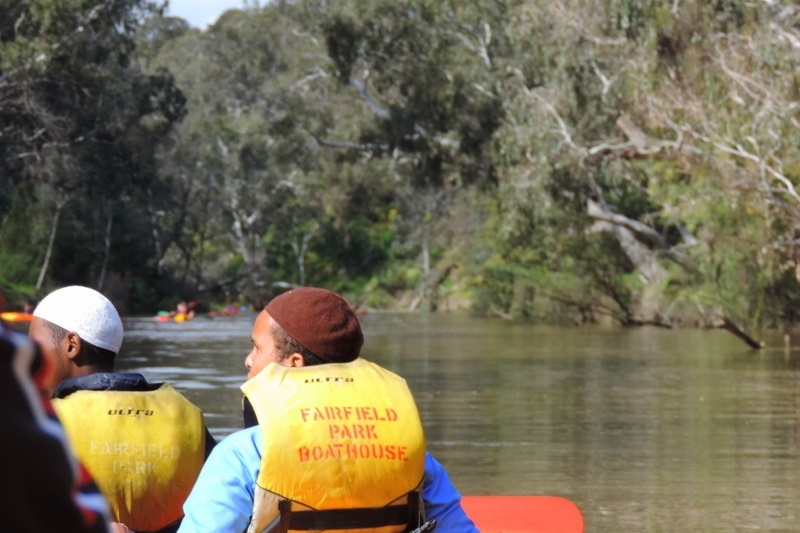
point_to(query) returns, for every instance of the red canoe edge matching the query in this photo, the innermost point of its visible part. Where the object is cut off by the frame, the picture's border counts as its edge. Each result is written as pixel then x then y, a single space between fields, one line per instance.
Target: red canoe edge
pixel 528 514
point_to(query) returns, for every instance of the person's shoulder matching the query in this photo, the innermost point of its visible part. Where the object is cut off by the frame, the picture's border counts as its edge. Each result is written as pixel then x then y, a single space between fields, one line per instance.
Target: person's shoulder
pixel 242 447
pixel 244 439
pixel 434 470
pixel 431 463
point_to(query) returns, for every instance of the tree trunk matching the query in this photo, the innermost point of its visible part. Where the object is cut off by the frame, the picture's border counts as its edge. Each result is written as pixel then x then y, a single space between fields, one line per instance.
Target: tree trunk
pixel 106 246
pixel 426 255
pixel 642 243
pixel 156 237
pixel 3 227
pixel 300 252
pixel 248 242
pixel 53 228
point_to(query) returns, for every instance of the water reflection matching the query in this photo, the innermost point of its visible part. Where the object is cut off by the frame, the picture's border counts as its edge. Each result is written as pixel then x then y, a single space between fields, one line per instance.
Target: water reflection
pixel 645 429
pixel 203 358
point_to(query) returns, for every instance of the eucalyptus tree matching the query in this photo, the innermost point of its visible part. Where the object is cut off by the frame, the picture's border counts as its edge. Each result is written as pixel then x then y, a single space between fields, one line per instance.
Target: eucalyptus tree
pixel 79 125
pixel 670 129
pixel 245 151
pixel 426 72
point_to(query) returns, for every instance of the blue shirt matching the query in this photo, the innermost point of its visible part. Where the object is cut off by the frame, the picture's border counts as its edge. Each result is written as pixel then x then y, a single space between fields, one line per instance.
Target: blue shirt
pixel 222 497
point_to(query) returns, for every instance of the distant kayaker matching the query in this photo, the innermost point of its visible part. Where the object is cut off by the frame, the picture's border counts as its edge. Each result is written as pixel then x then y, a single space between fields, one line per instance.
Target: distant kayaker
pixel 183 312
pixel 144 443
pixel 46 489
pixel 337 434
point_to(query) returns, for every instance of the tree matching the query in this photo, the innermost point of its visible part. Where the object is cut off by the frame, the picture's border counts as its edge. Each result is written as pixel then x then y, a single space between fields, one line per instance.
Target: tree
pixel 667 133
pixel 79 123
pixel 425 72
pixel 246 138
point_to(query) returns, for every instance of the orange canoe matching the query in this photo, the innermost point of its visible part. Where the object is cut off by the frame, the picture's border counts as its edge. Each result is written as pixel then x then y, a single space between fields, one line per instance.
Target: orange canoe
pixel 14 316
pixel 523 514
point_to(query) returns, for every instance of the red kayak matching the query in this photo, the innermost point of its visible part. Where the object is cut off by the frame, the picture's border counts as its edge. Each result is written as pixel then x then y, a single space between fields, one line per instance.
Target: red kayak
pixel 14 316
pixel 523 514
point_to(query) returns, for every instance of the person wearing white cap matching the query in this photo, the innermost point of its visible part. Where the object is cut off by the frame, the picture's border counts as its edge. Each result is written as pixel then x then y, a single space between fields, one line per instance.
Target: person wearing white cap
pixel 144 443
pixel 81 328
pixel 46 489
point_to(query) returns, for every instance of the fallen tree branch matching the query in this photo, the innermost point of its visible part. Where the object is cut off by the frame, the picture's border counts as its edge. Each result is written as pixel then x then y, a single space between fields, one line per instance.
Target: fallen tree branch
pixel 727 325
pixel 641 232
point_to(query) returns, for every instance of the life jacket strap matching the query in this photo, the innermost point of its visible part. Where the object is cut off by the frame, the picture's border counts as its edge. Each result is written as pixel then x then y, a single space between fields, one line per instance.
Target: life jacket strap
pixel 407 514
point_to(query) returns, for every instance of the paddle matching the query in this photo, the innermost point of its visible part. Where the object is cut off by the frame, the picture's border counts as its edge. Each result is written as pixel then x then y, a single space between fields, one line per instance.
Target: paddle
pixel 523 514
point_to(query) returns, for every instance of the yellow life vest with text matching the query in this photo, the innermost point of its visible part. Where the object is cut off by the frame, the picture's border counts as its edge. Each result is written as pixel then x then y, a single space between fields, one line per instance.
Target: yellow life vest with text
pixel 335 436
pixel 145 449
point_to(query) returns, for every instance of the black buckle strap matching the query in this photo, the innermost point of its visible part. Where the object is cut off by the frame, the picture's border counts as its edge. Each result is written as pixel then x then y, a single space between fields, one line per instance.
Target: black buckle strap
pixel 409 514
pixel 345 518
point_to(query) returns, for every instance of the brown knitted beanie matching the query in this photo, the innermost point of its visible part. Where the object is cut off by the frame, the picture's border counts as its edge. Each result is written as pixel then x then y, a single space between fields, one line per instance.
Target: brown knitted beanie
pixel 321 321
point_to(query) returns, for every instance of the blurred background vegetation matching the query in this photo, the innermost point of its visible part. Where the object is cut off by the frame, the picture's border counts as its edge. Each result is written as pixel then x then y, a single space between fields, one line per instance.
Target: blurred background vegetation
pixel 575 161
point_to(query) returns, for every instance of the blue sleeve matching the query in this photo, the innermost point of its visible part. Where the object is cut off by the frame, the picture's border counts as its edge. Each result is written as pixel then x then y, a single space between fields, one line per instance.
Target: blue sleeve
pixel 222 497
pixel 443 501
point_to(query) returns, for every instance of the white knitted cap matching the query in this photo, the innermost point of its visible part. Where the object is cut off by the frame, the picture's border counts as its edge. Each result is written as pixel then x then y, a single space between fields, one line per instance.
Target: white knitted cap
pixel 86 312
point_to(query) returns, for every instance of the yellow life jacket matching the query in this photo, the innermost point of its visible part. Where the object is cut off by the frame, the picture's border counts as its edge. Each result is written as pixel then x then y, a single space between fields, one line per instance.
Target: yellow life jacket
pixel 335 436
pixel 145 449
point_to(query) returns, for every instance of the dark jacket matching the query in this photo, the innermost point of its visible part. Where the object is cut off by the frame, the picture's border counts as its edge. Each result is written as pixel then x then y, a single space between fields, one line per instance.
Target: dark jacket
pixel 45 487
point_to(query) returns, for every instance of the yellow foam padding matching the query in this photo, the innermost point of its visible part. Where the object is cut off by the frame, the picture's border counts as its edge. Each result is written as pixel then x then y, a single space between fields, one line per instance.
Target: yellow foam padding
pixel 144 449
pixel 337 436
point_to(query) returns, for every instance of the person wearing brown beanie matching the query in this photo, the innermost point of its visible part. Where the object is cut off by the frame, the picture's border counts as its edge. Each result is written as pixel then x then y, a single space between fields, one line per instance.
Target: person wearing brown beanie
pixel 304 327
pixel 305 372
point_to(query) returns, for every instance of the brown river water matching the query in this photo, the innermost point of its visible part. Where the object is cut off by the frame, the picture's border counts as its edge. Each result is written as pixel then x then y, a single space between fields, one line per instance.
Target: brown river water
pixel 644 429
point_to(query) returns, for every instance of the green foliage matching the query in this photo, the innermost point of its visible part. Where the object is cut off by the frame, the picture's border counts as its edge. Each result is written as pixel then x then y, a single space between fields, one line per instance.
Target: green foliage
pixel 564 161
pixel 80 127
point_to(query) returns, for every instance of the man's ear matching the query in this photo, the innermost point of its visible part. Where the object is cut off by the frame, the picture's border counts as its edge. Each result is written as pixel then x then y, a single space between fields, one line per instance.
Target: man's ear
pixel 296 360
pixel 72 345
